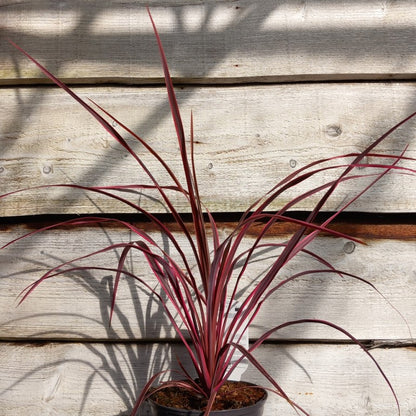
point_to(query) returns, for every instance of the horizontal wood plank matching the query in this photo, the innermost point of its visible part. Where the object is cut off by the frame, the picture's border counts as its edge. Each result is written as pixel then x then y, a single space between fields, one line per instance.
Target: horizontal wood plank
pixel 96 379
pixel 77 306
pixel 209 41
pixel 247 138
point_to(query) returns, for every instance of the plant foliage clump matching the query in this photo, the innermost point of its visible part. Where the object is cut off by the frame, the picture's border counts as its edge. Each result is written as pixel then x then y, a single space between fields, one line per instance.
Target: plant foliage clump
pixel 200 287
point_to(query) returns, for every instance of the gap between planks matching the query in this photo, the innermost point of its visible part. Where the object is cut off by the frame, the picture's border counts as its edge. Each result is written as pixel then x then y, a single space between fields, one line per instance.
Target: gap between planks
pixel 362 225
pixel 369 344
pixel 179 82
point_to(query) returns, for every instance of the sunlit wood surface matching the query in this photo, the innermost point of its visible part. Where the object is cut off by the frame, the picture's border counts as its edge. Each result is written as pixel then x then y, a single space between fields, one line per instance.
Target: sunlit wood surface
pixel 272 86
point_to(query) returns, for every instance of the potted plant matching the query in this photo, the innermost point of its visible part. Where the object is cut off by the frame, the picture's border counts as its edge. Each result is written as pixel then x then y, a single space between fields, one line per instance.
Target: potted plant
pixel 200 289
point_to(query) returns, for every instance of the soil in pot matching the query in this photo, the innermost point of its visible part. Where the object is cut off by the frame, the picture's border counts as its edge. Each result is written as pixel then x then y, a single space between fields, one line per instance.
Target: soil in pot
pixel 232 395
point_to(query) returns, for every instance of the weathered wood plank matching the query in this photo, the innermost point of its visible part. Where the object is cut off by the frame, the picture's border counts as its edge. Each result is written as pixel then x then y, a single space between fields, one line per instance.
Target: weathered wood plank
pixel 96 379
pixel 248 138
pixel 209 41
pixel 77 307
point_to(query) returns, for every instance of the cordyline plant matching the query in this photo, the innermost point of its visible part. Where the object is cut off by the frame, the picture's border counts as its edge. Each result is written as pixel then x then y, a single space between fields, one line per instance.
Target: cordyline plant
pixel 200 298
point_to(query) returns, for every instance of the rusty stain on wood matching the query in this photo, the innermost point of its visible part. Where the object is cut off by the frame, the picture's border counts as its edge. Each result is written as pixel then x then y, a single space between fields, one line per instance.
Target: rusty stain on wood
pixel 383 230
pixel 400 231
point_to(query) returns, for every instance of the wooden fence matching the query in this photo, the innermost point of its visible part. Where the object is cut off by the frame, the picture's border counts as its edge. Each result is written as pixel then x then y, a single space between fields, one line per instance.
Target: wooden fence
pixel 272 86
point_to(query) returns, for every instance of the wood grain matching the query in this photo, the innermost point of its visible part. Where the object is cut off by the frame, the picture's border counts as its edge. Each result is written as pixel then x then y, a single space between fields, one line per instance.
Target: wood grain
pixel 207 41
pixel 272 87
pixel 77 306
pixel 248 138
pixel 95 379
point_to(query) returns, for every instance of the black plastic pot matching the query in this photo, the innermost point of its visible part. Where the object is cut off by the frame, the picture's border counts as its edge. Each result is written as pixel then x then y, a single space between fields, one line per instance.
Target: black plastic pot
pixel 254 410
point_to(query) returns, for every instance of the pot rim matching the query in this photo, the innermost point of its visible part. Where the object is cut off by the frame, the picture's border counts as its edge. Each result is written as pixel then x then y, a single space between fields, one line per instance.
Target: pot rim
pixel 259 403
